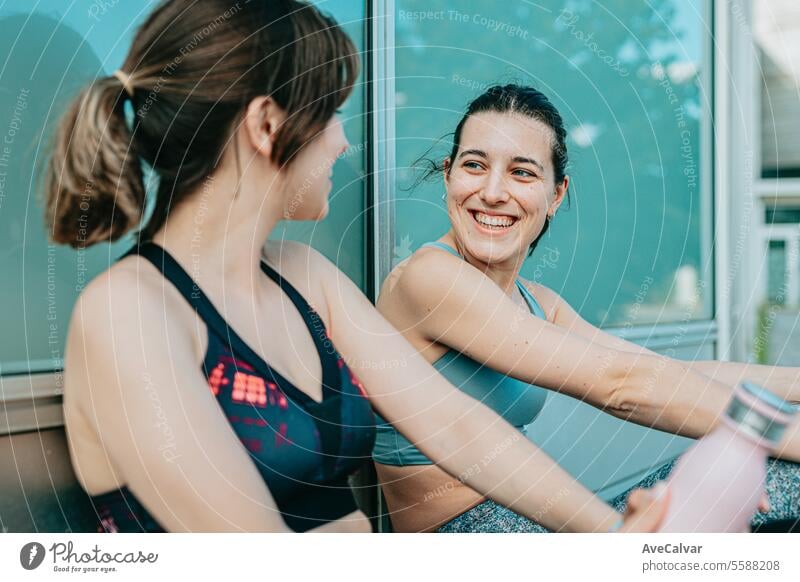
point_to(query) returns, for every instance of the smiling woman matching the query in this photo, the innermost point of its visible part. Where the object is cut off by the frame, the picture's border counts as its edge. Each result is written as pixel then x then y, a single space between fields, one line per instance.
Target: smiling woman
pixel 505 178
pixel 470 314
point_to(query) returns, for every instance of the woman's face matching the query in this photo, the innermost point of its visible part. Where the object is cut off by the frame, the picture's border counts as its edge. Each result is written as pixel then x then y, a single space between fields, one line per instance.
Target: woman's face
pixel 309 179
pixel 501 185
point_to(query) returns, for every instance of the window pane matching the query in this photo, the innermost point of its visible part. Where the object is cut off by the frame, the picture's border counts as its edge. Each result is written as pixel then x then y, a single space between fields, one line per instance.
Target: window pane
pixel 782 215
pixel 776 274
pixel 49 52
pixel 777 39
pixel 629 79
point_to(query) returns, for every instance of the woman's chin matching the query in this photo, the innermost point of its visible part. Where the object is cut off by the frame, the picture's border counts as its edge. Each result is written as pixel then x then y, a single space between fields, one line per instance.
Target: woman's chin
pixel 308 214
pixel 489 252
pixel 323 213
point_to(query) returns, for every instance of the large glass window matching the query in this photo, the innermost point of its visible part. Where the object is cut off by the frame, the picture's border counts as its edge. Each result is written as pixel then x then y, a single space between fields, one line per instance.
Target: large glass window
pixel 341 236
pixel 631 81
pixel 50 49
pixel 777 40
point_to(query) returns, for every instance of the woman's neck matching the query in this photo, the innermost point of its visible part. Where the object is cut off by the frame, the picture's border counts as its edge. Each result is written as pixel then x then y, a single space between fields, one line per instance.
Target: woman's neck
pixel 219 237
pixel 504 274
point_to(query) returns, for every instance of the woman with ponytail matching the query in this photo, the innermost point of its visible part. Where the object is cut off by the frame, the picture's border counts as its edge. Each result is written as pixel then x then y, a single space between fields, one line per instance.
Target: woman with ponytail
pixel 206 378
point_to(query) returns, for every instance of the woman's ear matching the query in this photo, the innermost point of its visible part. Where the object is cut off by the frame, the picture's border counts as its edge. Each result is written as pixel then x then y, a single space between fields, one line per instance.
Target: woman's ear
pixel 262 120
pixel 446 172
pixel 561 192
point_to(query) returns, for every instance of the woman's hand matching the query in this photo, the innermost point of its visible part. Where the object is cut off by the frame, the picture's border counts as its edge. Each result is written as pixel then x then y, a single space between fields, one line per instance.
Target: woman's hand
pixel 646 510
pixel 355 522
pixel 763 504
pixel 763 507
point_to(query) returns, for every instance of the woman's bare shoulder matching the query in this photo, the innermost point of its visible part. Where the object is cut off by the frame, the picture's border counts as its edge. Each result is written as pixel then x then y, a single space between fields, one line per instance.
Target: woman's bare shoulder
pixel 128 302
pixel 128 318
pixel 130 284
pixel 410 277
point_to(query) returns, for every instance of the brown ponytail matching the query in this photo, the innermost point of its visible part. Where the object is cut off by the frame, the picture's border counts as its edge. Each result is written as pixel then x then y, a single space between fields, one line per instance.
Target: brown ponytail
pixel 194 72
pixel 94 183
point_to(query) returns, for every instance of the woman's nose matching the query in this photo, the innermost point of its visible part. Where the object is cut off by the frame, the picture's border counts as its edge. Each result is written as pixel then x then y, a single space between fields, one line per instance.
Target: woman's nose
pixel 345 146
pixel 494 191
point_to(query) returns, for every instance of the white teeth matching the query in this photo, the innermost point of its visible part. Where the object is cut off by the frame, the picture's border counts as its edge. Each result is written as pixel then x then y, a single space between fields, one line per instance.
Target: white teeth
pixel 494 221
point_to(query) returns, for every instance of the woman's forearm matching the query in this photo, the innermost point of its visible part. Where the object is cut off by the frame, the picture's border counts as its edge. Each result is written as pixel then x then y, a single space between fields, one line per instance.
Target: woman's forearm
pixel 489 455
pixel 783 381
pixel 672 395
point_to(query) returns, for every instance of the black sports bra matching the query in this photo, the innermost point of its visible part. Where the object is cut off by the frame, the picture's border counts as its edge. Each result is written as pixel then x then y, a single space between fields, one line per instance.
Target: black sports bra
pixel 303 449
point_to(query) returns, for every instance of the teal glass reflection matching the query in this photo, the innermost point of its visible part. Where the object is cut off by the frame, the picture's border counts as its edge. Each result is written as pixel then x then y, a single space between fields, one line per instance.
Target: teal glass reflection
pixel 629 78
pixel 50 49
pixel 341 236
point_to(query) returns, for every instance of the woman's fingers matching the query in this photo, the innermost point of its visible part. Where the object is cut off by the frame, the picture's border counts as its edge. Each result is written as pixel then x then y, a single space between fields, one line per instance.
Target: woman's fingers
pixel 646 509
pixel 763 504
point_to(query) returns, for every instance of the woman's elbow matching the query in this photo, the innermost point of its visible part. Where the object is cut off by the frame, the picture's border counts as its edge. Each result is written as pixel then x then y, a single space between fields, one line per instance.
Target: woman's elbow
pixel 632 383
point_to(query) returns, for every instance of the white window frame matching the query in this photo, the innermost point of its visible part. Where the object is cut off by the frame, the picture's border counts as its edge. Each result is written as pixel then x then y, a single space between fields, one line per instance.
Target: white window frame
pixel 750 194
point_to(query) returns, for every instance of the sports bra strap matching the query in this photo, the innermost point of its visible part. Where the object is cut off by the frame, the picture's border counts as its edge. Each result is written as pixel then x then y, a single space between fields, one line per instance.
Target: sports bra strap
pixel 444 247
pixel 531 300
pixel 533 305
pixel 180 279
pixel 194 295
pixel 328 357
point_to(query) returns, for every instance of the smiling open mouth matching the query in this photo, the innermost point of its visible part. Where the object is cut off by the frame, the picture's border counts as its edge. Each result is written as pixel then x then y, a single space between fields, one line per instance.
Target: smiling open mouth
pixel 497 223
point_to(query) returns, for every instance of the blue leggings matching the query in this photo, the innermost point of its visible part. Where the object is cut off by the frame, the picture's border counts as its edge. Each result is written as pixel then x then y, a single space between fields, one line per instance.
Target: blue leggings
pixel 783 489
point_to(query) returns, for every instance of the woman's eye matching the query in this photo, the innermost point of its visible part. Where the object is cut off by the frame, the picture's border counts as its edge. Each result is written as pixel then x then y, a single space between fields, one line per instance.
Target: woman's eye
pixel 472 165
pixel 524 173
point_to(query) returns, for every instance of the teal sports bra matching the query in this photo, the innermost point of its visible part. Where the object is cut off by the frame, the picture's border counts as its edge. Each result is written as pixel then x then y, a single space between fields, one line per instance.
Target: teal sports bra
pixel 516 401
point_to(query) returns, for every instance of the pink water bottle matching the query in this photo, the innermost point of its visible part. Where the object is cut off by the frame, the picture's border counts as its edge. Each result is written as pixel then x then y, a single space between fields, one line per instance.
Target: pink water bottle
pixel 718 482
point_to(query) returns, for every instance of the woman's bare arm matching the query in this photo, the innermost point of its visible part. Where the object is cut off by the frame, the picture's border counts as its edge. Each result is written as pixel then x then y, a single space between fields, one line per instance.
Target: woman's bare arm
pixel 464 437
pixel 782 380
pixel 454 304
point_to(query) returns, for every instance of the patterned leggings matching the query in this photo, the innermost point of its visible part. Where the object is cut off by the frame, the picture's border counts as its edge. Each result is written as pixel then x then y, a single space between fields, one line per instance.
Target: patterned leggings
pixel 783 489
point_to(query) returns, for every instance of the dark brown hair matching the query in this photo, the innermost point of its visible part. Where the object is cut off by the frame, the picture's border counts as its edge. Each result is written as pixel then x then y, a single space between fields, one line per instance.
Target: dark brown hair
pixel 193 67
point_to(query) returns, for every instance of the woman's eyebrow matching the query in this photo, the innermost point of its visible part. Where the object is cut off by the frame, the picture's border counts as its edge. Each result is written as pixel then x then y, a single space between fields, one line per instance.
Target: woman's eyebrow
pixel 524 160
pixel 473 152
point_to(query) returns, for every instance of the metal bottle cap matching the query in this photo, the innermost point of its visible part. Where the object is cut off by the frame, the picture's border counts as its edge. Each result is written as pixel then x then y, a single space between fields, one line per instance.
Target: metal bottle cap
pixel 770 398
pixel 756 422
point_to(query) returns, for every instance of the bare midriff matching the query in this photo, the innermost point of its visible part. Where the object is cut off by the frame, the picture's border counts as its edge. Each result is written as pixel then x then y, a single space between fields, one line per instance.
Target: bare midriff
pixel 422 498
